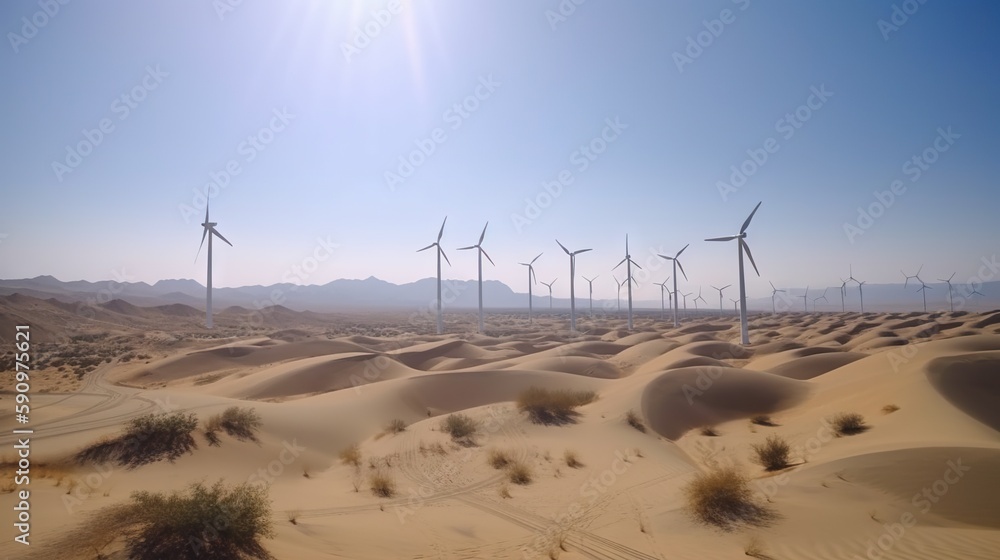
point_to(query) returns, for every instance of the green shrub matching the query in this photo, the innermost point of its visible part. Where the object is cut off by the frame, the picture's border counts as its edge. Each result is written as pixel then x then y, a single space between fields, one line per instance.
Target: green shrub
pixel 146 439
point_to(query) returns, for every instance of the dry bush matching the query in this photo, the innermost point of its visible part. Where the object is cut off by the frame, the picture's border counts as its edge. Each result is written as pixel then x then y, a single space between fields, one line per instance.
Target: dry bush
pixel 772 454
pixel 572 459
pixel 519 473
pixel 461 428
pixel 709 431
pixel 504 490
pixel 242 423
pixel 889 409
pixel 351 455
pixel 146 439
pixel 498 458
pixel 849 423
pixel 553 407
pixel 396 426
pixel 633 419
pixel 382 484
pixel 724 498
pixel 763 420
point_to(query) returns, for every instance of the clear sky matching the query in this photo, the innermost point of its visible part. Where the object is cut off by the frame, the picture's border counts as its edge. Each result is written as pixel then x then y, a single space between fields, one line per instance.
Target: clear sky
pixel 644 108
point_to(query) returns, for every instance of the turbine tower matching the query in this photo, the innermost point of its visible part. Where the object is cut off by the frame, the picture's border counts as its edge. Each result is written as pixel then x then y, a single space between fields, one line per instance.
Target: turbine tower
pixel 677 263
pixel 531 278
pixel 951 296
pixel 923 289
pixel 685 296
pixel 743 247
pixel 629 280
pixel 804 306
pixel 774 292
pixel 861 291
pixel 663 287
pixel 590 282
pixel 843 293
pixel 549 286
pixel 736 302
pixel 572 283
pixel 720 296
pixel 207 228
pixel 440 253
pixel 482 252
pixel 620 284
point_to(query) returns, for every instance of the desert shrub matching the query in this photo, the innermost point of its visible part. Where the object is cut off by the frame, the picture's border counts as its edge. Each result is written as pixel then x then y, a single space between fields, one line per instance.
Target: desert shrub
pixel 460 427
pixel 633 419
pixel 849 423
pixel 382 484
pixel 205 522
pixel 889 409
pixel 498 458
pixel 351 455
pixel 396 426
pixel 519 473
pixel 552 407
pixel 572 459
pixel 762 420
pixel 146 439
pixel 772 454
pixel 709 431
pixel 240 423
pixel 724 498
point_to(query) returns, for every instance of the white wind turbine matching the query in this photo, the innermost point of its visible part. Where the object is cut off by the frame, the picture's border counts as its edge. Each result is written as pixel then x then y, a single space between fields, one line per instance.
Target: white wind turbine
pixel 774 292
pixel 572 283
pixel 843 294
pixel 629 280
pixel 861 285
pixel 822 297
pixel 677 263
pixel 736 303
pixel 720 296
pixel 590 282
pixel 549 286
pixel 685 296
pixel 804 306
pixel 209 227
pixel 620 284
pixel 531 279
pixel 951 296
pixel 440 253
pixel 908 277
pixel 482 252
pixel 743 247
pixel 663 287
pixel 923 289
pixel 697 298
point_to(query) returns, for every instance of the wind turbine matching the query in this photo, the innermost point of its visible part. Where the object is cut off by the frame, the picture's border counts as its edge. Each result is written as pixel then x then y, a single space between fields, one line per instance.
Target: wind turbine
pixel 735 303
pixel 209 227
pixel 697 298
pixel 685 296
pixel 923 288
pixel 572 283
pixel 774 292
pixel 531 278
pixel 951 296
pixel 440 253
pixel 908 277
pixel 620 284
pixel 822 297
pixel 549 285
pixel 720 296
pixel 743 246
pixel 806 307
pixel 590 282
pixel 482 252
pixel 861 291
pixel 629 280
pixel 677 263
pixel 843 292
pixel 663 287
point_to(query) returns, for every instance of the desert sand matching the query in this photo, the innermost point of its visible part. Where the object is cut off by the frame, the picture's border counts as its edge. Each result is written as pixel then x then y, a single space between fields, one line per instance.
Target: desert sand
pixel 321 387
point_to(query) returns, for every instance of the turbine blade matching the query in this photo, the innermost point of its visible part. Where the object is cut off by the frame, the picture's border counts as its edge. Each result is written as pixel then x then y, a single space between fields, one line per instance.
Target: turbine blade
pixel 204 233
pixel 535 259
pixel 750 255
pixel 772 285
pixel 581 251
pixel 440 233
pixel 466 248
pixel 621 263
pixel 726 286
pixel 727 238
pixel 427 247
pixel 664 257
pixel 219 235
pixel 563 247
pixel 746 224
pixel 682 250
pixel 483 235
pixel 680 266
pixel 443 254
pixel 635 264
pixel 483 251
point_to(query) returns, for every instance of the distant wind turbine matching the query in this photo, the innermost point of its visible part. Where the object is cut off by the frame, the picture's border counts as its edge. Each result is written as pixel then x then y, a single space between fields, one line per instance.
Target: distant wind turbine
pixel 531 279
pixel 549 285
pixel 663 287
pixel 572 283
pixel 677 263
pixel 861 291
pixel 629 280
pixel 822 297
pixel 440 253
pixel 720 296
pixel 915 276
pixel 736 302
pixel 685 296
pixel 209 228
pixel 481 252
pixel 843 293
pixel 923 289
pixel 774 292
pixel 743 247
pixel 804 306
pixel 697 298
pixel 590 282
pixel 951 296
pixel 620 284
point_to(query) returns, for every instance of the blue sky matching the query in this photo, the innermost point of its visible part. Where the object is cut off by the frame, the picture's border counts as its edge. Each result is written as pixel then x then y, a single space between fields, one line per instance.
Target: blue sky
pixel 314 117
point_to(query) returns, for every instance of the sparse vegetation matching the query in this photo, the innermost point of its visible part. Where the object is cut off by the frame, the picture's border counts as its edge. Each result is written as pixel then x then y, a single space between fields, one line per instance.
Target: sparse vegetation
pixel 633 419
pixel 504 490
pixel 755 549
pixel 241 423
pixel 519 473
pixel 849 423
pixel 723 498
pixel 498 458
pixel 351 455
pixel 396 426
pixel 552 407
pixel 772 454
pixel 572 459
pixel 763 420
pixel 461 428
pixel 889 409
pixel 146 439
pixel 382 484
pixel 709 431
